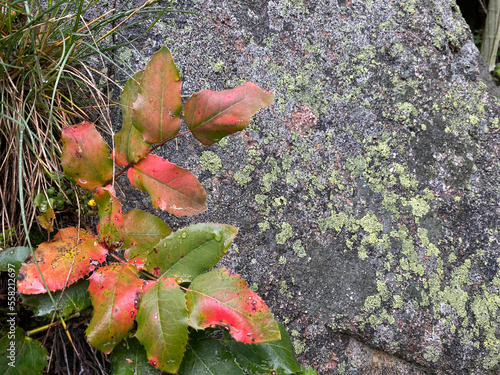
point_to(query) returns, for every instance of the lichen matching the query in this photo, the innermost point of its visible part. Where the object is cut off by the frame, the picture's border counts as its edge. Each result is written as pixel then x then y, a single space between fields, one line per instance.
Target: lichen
pixel 210 161
pixel 285 234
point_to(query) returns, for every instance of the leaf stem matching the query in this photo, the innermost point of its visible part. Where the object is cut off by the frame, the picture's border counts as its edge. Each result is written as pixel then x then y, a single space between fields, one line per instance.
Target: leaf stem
pixel 117 258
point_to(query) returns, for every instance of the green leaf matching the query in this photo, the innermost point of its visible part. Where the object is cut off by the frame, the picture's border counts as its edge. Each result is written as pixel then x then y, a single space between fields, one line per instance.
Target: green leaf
pixel 162 324
pixel 259 359
pixel 190 251
pixel 171 188
pixel 220 298
pixel 111 225
pixel 129 144
pixel 156 111
pixel 13 257
pixel 129 358
pixel 207 356
pixel 27 357
pixel 46 220
pixel 72 254
pixel 74 298
pixel 142 232
pixel 115 292
pixel 85 156
pixel 212 115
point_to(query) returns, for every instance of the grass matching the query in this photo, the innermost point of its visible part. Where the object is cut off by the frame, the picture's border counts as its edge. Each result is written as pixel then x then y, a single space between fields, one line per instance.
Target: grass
pixel 48 54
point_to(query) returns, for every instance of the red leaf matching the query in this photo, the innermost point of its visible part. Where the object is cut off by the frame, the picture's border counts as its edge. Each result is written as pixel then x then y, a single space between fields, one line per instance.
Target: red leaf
pixel 212 115
pixel 71 251
pixel 111 226
pixel 162 324
pixel 115 291
pixel 158 106
pixel 221 298
pixel 129 144
pixel 142 232
pixel 171 188
pixel 85 156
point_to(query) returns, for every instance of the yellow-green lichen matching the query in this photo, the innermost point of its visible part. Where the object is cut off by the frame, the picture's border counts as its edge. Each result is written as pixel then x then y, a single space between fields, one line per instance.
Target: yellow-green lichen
pixel 243 177
pixel 210 161
pixel 299 249
pixel 285 234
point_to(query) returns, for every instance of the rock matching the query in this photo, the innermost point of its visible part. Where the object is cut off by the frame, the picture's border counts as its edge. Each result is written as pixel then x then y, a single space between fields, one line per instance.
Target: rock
pixel 367 195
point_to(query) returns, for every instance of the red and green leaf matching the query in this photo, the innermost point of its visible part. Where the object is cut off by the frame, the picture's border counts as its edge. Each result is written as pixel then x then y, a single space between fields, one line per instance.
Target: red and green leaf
pixel 142 233
pixel 115 292
pixel 156 111
pixel 111 225
pixel 190 251
pixel 85 156
pixel 171 188
pixel 212 115
pixel 129 144
pixel 162 324
pixel 71 254
pixel 220 298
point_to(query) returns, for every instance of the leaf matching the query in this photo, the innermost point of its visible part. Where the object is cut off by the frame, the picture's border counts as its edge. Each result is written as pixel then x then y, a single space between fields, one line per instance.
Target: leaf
pixel 162 324
pixel 220 298
pixel 13 257
pixel 273 358
pixel 207 356
pixel 56 258
pixel 85 156
pixel 111 225
pixel 191 251
pixel 158 105
pixel 46 220
pixel 129 358
pixel 212 115
pixel 25 357
pixel 171 188
pixel 74 298
pixel 129 144
pixel 142 232
pixel 115 291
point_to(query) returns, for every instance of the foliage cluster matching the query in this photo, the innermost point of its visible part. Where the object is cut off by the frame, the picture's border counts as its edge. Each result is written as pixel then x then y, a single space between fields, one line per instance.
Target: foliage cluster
pixel 155 299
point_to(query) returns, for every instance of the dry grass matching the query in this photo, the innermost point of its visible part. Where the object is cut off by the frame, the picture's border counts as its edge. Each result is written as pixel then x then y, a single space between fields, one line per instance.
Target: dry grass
pixel 47 84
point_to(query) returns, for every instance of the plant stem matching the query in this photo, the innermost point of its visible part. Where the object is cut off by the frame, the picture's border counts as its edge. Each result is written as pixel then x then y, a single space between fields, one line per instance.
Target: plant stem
pixel 46 327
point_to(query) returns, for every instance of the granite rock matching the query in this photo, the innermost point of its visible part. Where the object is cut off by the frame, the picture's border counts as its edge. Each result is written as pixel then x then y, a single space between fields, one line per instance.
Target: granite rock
pixel 367 195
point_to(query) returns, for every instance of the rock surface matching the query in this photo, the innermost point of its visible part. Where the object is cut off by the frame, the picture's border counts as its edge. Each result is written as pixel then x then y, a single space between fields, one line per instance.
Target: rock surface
pixel 367 195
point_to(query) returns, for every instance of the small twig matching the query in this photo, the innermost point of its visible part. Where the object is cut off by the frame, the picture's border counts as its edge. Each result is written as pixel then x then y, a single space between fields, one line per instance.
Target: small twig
pixel 483 5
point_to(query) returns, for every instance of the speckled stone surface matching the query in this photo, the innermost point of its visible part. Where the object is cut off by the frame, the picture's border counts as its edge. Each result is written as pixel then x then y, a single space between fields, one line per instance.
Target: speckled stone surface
pixel 367 195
